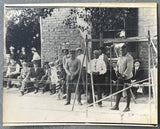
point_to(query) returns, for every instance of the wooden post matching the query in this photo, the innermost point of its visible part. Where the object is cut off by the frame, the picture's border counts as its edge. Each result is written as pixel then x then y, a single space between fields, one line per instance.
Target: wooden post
pixel 101 38
pixel 149 66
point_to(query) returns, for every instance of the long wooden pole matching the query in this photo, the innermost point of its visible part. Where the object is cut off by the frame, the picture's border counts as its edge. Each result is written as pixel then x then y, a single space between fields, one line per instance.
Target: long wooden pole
pixel 149 66
pixel 78 81
pixel 131 85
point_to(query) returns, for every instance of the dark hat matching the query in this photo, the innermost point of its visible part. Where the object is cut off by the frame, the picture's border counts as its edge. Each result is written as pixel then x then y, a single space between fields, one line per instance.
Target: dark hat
pixel 137 60
pixel 96 52
pixel 124 46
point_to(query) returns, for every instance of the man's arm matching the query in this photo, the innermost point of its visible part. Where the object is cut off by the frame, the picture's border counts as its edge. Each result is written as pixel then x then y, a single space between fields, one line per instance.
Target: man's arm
pixel 8 71
pixel 102 67
pixel 129 67
pixel 78 67
pixel 17 70
pixel 67 68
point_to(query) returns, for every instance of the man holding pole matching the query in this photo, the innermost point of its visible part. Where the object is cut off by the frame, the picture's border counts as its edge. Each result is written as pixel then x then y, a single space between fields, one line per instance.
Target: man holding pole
pixel 72 69
pixel 124 74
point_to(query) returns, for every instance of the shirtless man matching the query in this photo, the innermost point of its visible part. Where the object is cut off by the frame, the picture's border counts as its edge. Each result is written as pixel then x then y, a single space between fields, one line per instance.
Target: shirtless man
pixel 72 69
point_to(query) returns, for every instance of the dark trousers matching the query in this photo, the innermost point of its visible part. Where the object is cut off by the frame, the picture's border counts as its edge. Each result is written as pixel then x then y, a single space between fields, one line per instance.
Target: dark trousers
pixel 120 86
pixel 98 81
pixel 71 87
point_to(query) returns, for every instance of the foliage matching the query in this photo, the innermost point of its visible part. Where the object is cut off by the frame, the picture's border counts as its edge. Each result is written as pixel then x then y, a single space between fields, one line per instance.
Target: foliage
pixel 23 27
pixel 100 19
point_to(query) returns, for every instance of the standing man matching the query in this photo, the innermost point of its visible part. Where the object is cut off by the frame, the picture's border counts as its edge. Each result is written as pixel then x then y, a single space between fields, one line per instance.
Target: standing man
pixel 124 74
pixel 98 68
pixel 80 56
pixel 72 69
pixel 104 57
pixel 65 52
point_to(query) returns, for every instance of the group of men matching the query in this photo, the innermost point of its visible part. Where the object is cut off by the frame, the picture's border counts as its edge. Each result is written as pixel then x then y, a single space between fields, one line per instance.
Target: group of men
pixel 98 67
pixel 74 63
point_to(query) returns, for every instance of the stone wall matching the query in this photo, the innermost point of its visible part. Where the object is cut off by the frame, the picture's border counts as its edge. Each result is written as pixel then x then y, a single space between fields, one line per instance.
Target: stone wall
pixel 54 33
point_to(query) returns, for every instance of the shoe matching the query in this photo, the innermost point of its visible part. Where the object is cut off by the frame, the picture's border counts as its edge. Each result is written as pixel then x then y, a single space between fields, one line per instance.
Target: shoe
pixel 22 93
pixel 36 91
pixel 126 109
pixel 99 105
pixel 64 96
pixel 79 103
pixel 67 103
pixel 115 108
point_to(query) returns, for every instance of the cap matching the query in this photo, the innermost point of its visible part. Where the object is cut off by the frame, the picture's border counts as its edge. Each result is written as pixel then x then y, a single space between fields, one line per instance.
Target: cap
pixel 24 63
pixel 79 48
pixel 51 63
pixel 96 52
pixel 33 49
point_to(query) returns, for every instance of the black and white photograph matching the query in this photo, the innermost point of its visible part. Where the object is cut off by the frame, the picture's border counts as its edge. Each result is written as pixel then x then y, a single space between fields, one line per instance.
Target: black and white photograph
pixel 80 63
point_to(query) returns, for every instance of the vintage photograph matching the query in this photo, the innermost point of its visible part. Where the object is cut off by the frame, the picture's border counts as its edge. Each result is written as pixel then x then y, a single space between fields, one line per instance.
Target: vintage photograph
pixel 85 63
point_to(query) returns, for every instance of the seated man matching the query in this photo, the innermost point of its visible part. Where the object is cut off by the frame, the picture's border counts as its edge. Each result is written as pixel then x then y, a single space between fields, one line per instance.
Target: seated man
pixel 24 72
pixel 34 76
pixel 53 78
pixel 12 72
pixel 44 82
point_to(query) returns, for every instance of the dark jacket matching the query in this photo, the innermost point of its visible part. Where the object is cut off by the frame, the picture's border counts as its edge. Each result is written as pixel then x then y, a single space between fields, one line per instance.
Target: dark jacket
pixel 36 74
pixel 138 75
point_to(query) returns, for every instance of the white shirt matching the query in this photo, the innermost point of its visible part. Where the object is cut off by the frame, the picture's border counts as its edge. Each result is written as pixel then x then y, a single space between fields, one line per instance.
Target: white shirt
pixel 13 69
pixel 54 76
pixel 80 57
pixel 36 56
pixel 97 65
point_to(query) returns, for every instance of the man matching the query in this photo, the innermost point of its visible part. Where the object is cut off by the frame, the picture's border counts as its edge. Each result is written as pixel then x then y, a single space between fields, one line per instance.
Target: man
pixel 104 57
pixel 98 69
pixel 124 74
pixel 34 76
pixel 65 52
pixel 13 71
pixel 53 77
pixel 72 69
pixel 80 56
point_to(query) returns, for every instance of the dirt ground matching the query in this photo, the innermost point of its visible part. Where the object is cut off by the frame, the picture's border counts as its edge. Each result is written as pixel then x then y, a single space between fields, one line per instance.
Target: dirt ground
pixel 37 108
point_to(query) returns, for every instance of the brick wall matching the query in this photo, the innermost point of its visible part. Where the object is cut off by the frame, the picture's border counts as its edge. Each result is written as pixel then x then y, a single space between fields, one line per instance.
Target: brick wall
pixel 54 33
pixel 146 21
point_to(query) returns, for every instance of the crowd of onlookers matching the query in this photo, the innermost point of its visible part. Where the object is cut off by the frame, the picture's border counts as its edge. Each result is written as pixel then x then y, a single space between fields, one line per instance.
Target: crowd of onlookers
pixel 24 70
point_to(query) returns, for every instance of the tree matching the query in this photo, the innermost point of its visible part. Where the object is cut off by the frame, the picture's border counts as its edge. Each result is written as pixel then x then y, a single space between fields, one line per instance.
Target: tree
pixel 101 19
pixel 23 27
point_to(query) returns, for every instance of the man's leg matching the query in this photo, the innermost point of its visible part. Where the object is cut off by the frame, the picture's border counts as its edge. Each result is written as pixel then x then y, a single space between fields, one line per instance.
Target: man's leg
pixel 24 85
pixel 118 96
pixel 36 86
pixel 128 98
pixel 68 90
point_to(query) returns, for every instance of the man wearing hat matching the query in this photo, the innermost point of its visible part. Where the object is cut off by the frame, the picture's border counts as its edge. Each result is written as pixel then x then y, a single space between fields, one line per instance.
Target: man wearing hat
pixel 13 53
pixel 72 69
pixel 124 74
pixel 34 76
pixel 65 51
pixel 98 69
